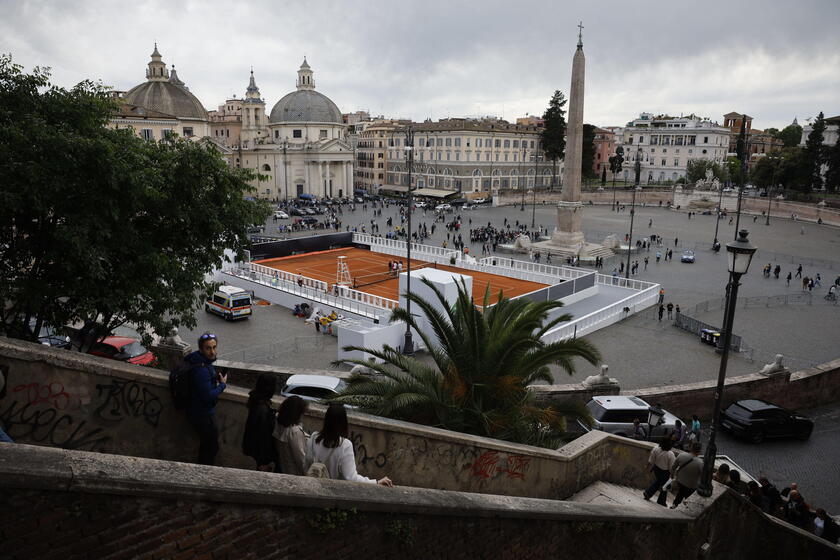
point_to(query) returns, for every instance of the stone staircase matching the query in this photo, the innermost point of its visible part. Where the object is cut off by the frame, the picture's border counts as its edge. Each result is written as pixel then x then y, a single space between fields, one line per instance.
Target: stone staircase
pixel 607 493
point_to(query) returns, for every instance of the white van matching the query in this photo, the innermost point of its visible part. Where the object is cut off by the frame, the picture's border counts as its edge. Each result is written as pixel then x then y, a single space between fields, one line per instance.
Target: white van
pixel 229 302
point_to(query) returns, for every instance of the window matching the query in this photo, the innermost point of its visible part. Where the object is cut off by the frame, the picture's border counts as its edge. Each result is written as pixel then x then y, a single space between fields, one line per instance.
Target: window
pixel 497 155
pixel 705 139
pixel 487 156
pixel 654 140
pixel 449 142
pixel 322 133
pixel 498 143
pixel 507 143
pixel 506 157
pixel 516 143
pixel 457 156
pixel 297 133
pixel 147 134
pixel 676 162
pixel 478 142
pixel 457 142
pixel 439 142
pixel 165 133
pixel 641 139
pixel 666 140
pixel 188 132
pixel 663 161
pixel 678 141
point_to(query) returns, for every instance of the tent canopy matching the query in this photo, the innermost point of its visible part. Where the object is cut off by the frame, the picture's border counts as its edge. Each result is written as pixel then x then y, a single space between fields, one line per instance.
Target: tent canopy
pixel 434 193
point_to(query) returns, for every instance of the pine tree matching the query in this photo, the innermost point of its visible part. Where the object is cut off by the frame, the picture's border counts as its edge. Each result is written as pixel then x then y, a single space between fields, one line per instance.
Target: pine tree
pixel 554 133
pixel 815 153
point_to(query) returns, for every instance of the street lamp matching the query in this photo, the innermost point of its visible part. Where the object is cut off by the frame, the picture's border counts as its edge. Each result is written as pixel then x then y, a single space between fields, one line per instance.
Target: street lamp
pixel 739 254
pixel 408 343
pixel 638 169
pixel 777 161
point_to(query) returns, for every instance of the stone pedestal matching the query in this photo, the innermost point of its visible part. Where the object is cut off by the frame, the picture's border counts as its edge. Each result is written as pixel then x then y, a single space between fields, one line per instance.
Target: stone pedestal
pixel 568 232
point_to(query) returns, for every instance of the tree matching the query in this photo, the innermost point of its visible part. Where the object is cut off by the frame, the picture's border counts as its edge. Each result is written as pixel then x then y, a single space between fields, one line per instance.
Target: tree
pixel 482 365
pixel 616 161
pixel 554 133
pixel 587 156
pixel 774 132
pixel 603 176
pixel 832 175
pixel 99 227
pixel 695 170
pixel 791 135
pixel 764 172
pixel 815 153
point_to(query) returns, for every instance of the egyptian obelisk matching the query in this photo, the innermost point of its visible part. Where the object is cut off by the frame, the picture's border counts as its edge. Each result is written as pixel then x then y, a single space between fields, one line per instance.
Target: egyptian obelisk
pixel 568 234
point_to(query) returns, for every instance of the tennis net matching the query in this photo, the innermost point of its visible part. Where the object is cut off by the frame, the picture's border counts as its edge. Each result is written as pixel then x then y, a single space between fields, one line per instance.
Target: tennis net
pixel 377 277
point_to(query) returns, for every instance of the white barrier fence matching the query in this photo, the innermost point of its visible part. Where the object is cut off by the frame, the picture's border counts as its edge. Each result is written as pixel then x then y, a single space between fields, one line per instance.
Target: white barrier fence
pixel 608 315
pixel 342 298
pixel 400 248
pixel 565 272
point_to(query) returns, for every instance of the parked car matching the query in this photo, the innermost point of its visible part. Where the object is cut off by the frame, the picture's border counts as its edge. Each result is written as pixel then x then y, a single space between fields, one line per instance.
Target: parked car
pixel 443 207
pixel 420 204
pixel 359 199
pixel 757 420
pixel 124 349
pixel 687 256
pixel 313 388
pixel 296 212
pixel 49 336
pixel 481 200
pixel 309 220
pixel 614 414
pixel 255 229
pixel 281 215
pixel 310 211
pixel 468 206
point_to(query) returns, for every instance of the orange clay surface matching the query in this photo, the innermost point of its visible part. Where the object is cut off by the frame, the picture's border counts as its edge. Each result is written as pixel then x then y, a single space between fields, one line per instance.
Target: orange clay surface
pixel 322 265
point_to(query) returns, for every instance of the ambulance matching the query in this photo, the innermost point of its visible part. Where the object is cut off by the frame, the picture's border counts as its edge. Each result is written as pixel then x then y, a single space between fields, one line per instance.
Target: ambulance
pixel 229 302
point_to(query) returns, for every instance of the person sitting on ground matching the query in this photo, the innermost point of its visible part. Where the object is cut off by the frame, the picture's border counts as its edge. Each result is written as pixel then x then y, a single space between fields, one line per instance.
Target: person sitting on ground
pixel 290 439
pixel 331 447
pixel 722 474
pixel 826 527
pixel 736 483
pixel 256 441
pixel 797 511
pixel 756 497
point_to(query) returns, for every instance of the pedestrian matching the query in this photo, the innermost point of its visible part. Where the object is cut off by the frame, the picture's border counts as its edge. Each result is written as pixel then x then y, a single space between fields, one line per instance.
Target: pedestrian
pixel 678 435
pixel 639 431
pixel 650 222
pixel 796 510
pixel 776 271
pixel 676 242
pixel 257 442
pixel 825 527
pixel 687 470
pixel 661 311
pixel 661 295
pixel 331 448
pixel 817 280
pixel 660 461
pixel 677 309
pixel 658 256
pixel 771 493
pixel 695 420
pixel 799 271
pixel 207 385
pixel 789 276
pixel 289 436
pixel 670 308
pixel 736 483
pixel 646 263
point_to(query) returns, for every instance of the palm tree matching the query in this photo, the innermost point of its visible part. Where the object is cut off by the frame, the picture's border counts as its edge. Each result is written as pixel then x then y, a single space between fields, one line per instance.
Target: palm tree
pixel 483 362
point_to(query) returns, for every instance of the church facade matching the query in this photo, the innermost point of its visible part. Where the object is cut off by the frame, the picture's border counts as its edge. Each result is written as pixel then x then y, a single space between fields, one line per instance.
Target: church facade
pixel 300 147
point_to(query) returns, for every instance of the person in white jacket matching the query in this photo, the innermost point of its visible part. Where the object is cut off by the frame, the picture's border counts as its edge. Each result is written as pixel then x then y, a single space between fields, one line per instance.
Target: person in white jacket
pixel 331 447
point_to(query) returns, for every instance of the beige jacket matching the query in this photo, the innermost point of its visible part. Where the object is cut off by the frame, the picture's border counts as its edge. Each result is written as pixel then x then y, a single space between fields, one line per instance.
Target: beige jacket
pixel 291 448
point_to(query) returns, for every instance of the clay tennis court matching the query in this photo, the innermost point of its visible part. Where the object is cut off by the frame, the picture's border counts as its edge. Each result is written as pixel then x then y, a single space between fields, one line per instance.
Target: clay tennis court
pixel 367 266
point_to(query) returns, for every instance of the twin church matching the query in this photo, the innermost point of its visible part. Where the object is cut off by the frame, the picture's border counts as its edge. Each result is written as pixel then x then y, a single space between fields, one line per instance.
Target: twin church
pixel 299 147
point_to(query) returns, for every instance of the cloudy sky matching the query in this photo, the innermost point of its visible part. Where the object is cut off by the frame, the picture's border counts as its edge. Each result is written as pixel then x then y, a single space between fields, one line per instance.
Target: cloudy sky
pixel 773 59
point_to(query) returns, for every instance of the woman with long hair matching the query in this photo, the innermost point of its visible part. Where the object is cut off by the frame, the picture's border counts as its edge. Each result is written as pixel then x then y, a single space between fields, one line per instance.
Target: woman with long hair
pixel 257 441
pixel 331 447
pixel 289 435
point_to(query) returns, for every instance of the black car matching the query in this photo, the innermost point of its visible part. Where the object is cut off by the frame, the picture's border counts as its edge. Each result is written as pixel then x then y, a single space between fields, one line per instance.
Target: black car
pixel 756 420
pixel 296 212
pixel 309 220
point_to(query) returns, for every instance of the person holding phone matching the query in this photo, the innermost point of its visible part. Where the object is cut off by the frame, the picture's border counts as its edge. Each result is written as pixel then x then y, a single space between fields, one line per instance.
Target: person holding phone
pixel 207 385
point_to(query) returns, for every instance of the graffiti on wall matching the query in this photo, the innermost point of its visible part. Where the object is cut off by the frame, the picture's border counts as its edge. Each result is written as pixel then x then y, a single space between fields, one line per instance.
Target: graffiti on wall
pixel 493 463
pixel 127 399
pixel 362 457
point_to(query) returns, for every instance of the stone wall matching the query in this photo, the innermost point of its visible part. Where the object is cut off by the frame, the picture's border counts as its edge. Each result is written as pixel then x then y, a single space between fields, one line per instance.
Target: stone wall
pixel 646 197
pixel 803 389
pixel 62 504
pixel 74 401
pixel 759 205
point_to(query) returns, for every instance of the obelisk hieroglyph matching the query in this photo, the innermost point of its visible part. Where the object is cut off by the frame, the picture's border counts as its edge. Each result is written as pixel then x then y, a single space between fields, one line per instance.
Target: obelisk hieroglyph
pixel 569 209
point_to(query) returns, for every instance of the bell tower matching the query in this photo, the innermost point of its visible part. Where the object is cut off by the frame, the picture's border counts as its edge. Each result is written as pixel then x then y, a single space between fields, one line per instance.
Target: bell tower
pixel 254 120
pixel 305 79
pixel 157 71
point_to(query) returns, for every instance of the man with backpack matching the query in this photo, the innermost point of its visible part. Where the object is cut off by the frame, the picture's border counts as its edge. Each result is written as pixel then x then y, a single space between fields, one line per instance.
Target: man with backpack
pixel 204 385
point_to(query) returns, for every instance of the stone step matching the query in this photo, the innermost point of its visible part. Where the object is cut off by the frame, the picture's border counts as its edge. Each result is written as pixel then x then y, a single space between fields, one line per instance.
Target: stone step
pixel 607 493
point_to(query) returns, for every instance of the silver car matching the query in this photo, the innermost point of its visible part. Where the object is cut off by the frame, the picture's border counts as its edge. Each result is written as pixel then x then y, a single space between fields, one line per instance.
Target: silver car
pixel 615 414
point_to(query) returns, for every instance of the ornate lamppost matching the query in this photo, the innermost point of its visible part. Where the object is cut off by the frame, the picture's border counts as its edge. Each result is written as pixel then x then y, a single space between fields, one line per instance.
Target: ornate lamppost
pixel 638 169
pixel 739 253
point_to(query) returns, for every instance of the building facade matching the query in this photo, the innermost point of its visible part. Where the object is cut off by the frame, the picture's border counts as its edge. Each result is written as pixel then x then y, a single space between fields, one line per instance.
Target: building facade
pixel 161 106
pixel 470 155
pixel 299 147
pixel 832 129
pixel 604 149
pixel 664 145
pixel 372 154
pixel 759 143
pixel 226 122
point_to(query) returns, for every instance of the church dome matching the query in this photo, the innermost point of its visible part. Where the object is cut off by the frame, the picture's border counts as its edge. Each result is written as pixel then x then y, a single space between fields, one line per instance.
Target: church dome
pixel 305 104
pixel 165 94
